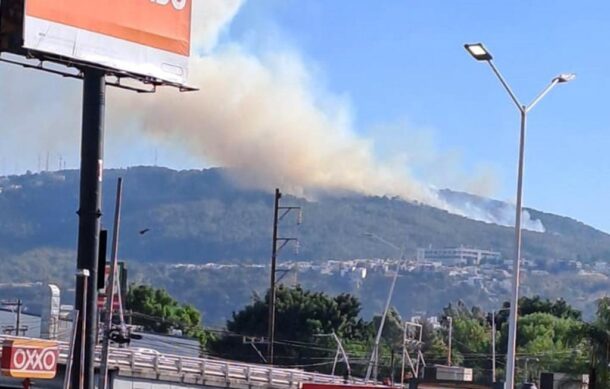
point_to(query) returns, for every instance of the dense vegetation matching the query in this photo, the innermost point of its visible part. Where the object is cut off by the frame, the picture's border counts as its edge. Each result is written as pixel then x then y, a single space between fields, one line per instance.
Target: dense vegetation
pixel 552 337
pixel 155 310
pixel 198 216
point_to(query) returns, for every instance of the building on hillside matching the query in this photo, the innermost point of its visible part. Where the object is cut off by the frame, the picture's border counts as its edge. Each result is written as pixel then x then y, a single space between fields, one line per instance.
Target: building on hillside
pixel 457 255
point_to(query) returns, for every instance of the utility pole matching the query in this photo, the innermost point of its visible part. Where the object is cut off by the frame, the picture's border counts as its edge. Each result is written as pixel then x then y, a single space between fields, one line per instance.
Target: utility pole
pixel 18 319
pixel 18 304
pixel 274 251
pixel 450 339
pixel 271 330
pixel 103 380
pixel 493 346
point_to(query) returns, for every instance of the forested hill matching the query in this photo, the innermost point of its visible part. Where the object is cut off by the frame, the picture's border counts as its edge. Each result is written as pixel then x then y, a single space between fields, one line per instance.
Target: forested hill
pixel 200 216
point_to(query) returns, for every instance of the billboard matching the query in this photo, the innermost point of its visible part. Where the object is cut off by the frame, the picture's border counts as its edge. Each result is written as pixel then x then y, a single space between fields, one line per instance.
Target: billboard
pixel 101 297
pixel 149 38
pixel 27 358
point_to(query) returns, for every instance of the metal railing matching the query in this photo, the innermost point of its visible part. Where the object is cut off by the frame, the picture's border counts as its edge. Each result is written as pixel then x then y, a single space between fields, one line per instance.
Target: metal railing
pixel 201 369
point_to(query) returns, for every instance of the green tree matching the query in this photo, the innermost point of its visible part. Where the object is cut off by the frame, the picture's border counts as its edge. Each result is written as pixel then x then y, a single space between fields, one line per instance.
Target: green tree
pixel 157 311
pixel 528 305
pixel 554 343
pixel 471 336
pixel 598 334
pixel 391 344
pixel 301 317
pixel 551 336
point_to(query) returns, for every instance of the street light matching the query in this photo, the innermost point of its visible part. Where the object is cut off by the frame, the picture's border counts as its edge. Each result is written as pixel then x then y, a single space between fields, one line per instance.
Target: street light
pixel 480 53
pixel 374 361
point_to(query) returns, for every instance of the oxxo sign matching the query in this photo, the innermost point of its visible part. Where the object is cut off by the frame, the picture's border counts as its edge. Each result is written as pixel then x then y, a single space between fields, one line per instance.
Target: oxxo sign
pixel 178 4
pixel 24 358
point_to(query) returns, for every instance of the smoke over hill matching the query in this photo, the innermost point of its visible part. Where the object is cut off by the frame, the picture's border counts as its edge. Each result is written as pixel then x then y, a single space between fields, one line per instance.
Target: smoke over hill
pixel 266 118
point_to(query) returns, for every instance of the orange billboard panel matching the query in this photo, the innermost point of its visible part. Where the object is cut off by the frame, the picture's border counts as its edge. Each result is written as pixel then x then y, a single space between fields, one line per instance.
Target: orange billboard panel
pixel 145 37
pixel 29 358
pixel 150 23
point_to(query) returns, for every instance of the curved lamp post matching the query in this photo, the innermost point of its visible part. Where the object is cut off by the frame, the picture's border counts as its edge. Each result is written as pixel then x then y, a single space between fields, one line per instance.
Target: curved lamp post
pixel 480 53
pixel 374 361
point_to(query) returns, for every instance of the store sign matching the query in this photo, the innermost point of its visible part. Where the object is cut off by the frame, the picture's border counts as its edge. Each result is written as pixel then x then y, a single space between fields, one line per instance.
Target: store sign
pixel 28 358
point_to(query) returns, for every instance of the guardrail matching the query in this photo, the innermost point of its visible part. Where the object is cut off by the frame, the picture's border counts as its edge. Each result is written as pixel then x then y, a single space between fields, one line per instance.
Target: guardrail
pixel 208 370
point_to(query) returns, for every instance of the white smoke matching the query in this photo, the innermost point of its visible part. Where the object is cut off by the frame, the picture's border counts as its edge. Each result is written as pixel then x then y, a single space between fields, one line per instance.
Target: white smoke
pixel 209 21
pixel 497 213
pixel 264 116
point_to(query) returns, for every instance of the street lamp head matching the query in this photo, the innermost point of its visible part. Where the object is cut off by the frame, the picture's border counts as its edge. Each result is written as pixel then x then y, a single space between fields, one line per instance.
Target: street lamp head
pixel 478 51
pixel 565 77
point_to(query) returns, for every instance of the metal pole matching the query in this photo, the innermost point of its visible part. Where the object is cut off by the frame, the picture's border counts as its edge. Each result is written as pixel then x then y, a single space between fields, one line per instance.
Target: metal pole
pixel 70 361
pixel 18 319
pixel 89 215
pixel 374 362
pixel 110 288
pixel 523 109
pixel 512 322
pixel 340 346
pixel 271 329
pixel 450 340
pixel 404 351
pixel 493 346
pixel 335 361
pixel 84 275
pixel 392 367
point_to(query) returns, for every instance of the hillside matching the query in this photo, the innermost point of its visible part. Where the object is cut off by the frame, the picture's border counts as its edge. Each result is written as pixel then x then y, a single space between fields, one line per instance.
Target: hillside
pixel 201 216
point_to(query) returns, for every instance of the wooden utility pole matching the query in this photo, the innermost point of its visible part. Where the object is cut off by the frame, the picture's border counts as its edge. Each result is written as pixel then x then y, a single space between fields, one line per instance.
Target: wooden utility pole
pixel 271 329
pixel 282 241
pixel 18 304
pixel 18 319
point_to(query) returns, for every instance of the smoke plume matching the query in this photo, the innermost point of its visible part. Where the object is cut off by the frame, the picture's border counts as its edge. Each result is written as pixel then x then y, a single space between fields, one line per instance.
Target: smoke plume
pixel 264 116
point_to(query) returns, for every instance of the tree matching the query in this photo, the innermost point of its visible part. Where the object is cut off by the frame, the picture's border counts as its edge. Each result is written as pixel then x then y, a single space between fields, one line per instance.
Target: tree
pixel 157 311
pixel 301 316
pixel 434 346
pixel 549 336
pixel 471 335
pixel 528 305
pixel 598 335
pixel 553 342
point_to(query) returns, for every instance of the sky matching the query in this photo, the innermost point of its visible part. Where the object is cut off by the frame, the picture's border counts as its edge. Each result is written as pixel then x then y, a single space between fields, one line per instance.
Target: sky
pixel 404 61
pixel 400 74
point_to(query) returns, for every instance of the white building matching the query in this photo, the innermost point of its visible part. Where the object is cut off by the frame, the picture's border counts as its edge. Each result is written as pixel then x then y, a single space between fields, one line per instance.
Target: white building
pixel 457 256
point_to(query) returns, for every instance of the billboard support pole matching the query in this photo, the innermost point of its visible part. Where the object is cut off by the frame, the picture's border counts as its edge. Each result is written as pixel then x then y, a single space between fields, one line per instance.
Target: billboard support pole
pixel 89 214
